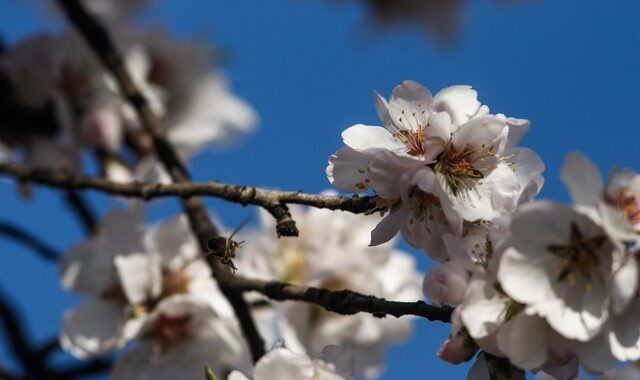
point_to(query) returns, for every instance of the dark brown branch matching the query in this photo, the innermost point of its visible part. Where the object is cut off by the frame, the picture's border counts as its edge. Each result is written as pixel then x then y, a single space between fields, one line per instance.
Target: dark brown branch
pixel 22 236
pixel 266 198
pixel 100 41
pixel 80 206
pixel 344 302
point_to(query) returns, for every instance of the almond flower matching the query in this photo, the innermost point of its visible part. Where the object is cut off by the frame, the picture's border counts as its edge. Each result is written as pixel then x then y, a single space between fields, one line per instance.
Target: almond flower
pixel 180 337
pixel 559 263
pixel 280 363
pixel 79 106
pixel 128 271
pixel 621 191
pixel 437 162
pixel 331 252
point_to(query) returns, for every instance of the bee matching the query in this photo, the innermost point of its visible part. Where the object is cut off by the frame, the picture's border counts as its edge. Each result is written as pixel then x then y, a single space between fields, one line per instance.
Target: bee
pixel 225 247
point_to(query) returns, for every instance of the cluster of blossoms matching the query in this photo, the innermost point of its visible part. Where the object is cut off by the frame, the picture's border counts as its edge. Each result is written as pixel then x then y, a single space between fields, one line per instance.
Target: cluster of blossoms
pixel 150 285
pixel 60 102
pixel 332 252
pixel 538 285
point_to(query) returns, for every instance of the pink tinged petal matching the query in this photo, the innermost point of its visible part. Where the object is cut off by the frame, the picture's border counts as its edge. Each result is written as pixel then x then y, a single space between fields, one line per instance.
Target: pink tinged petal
pixel 522 339
pixel 348 170
pixel 140 276
pixel 456 350
pixel 624 337
pixel 461 102
pixel 582 179
pixel 446 283
pixel 93 328
pixel 364 137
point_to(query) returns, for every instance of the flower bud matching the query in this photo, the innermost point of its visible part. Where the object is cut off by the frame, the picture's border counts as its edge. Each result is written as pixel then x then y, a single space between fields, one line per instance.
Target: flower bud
pixel 446 283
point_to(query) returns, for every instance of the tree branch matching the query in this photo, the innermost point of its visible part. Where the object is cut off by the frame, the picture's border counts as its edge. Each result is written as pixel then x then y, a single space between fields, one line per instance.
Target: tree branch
pixel 99 40
pixel 20 235
pixel 83 211
pixel 344 302
pixel 266 198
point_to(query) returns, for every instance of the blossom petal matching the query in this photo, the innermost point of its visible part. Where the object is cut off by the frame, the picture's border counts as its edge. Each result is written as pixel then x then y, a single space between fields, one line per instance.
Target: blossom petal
pixel 362 137
pixel 348 169
pixel 461 102
pixel 93 328
pixel 410 105
pixel 582 178
pixel 140 276
pixel 284 364
pixel 523 340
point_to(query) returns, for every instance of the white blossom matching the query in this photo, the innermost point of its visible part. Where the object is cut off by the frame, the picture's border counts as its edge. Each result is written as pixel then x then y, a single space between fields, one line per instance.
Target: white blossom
pixel 559 264
pixel 331 252
pixel 438 161
pixel 621 191
pixel 128 271
pixel 280 363
pixel 181 337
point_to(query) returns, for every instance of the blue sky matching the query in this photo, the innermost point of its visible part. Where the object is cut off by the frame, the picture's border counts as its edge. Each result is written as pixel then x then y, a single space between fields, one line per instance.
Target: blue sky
pixel 309 68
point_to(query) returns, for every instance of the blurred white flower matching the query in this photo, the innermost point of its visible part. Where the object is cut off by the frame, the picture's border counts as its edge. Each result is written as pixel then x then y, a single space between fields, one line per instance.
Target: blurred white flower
pixel 280 363
pixel 331 252
pixel 59 76
pixel 180 337
pixel 129 271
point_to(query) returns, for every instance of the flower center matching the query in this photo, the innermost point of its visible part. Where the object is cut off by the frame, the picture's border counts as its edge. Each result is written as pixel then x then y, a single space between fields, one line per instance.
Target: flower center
pixel 580 256
pixel 414 141
pixel 424 205
pixel 628 205
pixel 457 170
pixel 291 261
pixel 175 282
pixel 168 330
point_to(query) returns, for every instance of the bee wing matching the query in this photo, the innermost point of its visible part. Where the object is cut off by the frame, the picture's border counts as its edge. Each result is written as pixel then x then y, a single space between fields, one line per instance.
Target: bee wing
pixel 240 226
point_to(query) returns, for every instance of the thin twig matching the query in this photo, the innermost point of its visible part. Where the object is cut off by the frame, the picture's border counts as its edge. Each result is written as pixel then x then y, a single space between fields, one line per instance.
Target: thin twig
pixel 20 235
pixel 80 206
pixel 344 302
pixel 100 42
pixel 266 198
